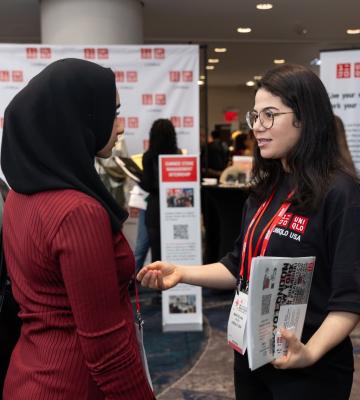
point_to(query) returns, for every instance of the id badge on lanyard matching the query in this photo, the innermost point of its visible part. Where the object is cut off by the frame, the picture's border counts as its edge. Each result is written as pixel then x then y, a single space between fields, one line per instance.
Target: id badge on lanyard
pixel 236 333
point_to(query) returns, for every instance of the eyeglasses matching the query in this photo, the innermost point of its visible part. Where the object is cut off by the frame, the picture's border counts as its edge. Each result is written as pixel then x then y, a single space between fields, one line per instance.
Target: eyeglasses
pixel 266 117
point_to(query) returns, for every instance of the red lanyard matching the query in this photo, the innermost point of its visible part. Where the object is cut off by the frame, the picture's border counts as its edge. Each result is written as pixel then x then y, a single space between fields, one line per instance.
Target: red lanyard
pixel 267 231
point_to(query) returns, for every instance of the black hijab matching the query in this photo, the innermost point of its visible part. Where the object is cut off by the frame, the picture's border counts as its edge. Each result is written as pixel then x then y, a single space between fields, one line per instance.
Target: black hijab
pixel 54 127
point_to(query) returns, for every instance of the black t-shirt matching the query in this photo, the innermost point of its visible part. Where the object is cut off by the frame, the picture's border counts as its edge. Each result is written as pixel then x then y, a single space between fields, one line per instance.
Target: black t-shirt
pixel 332 235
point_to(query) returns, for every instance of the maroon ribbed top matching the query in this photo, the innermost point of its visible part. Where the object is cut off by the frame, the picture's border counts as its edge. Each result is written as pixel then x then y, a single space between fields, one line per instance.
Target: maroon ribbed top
pixel 70 277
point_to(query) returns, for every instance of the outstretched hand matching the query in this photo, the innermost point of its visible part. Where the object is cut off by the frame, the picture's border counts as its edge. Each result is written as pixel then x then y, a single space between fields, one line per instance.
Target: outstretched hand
pixel 298 355
pixel 159 275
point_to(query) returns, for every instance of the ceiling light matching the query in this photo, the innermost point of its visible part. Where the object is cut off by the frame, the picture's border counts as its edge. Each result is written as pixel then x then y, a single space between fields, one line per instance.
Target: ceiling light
pixel 210 67
pixel 201 83
pixel 264 6
pixel 244 30
pixel 279 61
pixel 250 83
pixel 257 77
pixel 220 49
pixel 353 31
pixel 213 60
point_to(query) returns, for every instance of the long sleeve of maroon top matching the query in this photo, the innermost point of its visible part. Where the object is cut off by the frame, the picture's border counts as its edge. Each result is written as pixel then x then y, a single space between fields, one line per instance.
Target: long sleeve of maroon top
pixel 73 296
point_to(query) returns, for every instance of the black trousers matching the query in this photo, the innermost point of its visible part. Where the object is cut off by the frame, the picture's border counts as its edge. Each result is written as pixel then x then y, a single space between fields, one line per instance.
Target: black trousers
pixel 328 379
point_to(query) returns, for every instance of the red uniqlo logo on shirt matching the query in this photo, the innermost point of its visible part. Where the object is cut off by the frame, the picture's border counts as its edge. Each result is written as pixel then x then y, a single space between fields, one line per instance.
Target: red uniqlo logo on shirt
pixel 119 76
pixel 343 71
pixel 131 76
pixel 89 54
pixel 17 76
pixel 285 220
pixel 176 121
pixel 45 52
pixel 159 53
pixel 160 99
pixel 188 122
pixel 31 52
pixel 1 123
pixel 298 224
pixel 103 53
pixel 147 99
pixel 133 122
pixel 357 70
pixel 187 76
pixel 174 76
pixel 179 169
pixel 4 76
pixel 146 53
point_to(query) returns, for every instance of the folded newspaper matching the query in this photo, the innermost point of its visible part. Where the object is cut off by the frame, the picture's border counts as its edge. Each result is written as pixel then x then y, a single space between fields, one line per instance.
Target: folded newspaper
pixel 278 294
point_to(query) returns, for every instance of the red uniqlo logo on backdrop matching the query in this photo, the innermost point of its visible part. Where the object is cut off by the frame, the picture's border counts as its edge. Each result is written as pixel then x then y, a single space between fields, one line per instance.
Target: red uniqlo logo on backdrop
pixel 176 121
pixel 343 71
pixel 188 122
pixel 298 224
pixel 119 76
pixel 131 76
pixel 187 76
pixel 17 76
pixel 174 76
pixel 45 52
pixel 285 220
pixel 147 99
pixel 121 121
pixel 31 52
pixel 145 144
pixel 146 53
pixel 133 122
pixel 179 169
pixel 160 99
pixel 1 123
pixel 159 53
pixel 357 70
pixel 4 76
pixel 89 54
pixel 103 53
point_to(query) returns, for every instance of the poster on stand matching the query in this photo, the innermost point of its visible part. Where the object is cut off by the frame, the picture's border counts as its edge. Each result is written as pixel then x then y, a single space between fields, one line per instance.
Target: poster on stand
pixel 180 238
pixel 154 81
pixel 340 73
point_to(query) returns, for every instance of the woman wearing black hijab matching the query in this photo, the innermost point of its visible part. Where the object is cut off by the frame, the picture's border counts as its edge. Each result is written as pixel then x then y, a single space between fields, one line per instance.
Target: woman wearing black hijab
pixel 68 260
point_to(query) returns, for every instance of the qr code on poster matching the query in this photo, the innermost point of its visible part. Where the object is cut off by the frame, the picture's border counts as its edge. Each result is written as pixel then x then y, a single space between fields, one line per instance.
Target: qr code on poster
pixel 181 232
pixel 265 304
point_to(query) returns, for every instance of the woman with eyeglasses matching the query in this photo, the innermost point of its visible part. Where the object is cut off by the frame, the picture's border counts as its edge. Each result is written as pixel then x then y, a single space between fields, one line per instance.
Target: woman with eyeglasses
pixel 68 260
pixel 297 158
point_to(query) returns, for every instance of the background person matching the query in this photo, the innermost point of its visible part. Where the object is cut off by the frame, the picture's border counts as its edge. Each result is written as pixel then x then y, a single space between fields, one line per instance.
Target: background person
pixel 296 149
pixel 68 260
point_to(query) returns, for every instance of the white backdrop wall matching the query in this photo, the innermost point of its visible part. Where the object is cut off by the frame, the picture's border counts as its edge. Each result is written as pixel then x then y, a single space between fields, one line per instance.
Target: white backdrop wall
pixel 154 81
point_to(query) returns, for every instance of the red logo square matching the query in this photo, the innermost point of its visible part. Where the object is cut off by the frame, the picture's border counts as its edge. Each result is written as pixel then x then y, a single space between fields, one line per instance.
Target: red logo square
pixel 174 76
pixel 145 144
pixel 17 76
pixel 188 122
pixel 159 53
pixel 45 52
pixel 1 123
pixel 131 76
pixel 121 121
pixel 176 121
pixel 299 223
pixel 147 99
pixel 146 53
pixel 133 122
pixel 187 76
pixel 89 54
pixel 31 52
pixel 343 71
pixel 4 76
pixel 103 53
pixel 357 70
pixel 119 76
pixel 160 99
pixel 285 220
